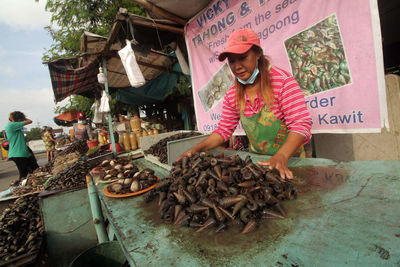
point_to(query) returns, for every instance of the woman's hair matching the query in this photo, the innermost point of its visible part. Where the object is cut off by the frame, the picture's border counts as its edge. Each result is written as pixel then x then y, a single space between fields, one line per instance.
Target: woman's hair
pixel 265 89
pixel 18 116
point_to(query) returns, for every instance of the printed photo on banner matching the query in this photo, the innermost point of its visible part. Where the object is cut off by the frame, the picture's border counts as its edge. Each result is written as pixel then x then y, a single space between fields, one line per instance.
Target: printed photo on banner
pixel 213 92
pixel 333 50
pixel 318 58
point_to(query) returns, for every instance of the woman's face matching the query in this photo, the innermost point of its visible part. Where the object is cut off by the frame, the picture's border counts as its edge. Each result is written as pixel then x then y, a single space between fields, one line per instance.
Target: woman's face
pixel 10 118
pixel 243 65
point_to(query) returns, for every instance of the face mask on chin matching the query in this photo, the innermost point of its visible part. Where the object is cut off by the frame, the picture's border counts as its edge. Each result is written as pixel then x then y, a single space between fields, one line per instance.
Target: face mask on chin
pixel 252 77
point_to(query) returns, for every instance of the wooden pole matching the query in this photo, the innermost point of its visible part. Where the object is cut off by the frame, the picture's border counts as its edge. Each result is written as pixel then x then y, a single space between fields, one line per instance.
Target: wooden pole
pixel 162 12
pixel 156 25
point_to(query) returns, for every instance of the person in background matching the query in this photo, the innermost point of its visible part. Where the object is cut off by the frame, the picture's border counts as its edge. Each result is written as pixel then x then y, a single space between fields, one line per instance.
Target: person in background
pixel 267 101
pixel 18 150
pixel 49 142
pixel 81 130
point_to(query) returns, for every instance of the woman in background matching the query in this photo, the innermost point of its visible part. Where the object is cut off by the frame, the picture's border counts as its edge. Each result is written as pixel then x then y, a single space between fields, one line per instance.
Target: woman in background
pixel 49 143
pixel 81 129
pixel 18 151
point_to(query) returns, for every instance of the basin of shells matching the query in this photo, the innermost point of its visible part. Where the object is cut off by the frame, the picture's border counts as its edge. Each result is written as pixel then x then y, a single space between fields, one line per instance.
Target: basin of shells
pixel 207 191
pixel 21 229
pixel 134 183
pixel 118 168
pixel 71 177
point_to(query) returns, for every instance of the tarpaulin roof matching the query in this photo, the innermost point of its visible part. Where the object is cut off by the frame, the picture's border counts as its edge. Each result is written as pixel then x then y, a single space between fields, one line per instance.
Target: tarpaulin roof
pixel 117 78
pixel 184 9
pixel 152 92
pixel 67 80
pixel 150 35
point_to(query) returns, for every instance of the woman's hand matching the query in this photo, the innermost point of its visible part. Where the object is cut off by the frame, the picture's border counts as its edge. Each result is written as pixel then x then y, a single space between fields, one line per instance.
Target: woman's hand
pixel 279 162
pixel 188 153
pixel 213 140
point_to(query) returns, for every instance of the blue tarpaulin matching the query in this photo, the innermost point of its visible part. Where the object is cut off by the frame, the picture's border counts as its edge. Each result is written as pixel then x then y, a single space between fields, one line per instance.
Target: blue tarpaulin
pixel 153 91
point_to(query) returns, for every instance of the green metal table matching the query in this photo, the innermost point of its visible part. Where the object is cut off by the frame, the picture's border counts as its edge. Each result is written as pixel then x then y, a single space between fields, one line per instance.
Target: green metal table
pixel 346 214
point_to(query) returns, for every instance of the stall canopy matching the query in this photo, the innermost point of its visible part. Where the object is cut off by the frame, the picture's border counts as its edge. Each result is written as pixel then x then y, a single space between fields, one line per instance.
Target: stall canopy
pixel 67 118
pixel 154 39
pixel 153 91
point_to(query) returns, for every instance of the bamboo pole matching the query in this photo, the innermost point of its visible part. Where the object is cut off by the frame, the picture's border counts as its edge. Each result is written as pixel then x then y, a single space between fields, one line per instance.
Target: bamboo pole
pixel 97 214
pixel 110 125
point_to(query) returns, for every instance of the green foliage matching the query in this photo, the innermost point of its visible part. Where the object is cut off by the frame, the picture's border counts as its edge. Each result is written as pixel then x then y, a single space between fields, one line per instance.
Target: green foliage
pixel 118 107
pixel 72 17
pixel 79 103
pixel 33 134
pixel 182 88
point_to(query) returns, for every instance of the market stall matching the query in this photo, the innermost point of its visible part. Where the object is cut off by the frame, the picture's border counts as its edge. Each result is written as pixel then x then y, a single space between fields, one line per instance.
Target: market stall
pixel 208 212
pixel 344 214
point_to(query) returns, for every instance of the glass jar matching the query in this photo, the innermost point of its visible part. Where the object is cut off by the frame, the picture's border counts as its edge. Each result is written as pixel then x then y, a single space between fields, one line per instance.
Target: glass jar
pixel 135 124
pixel 132 139
pixel 127 143
pixel 138 135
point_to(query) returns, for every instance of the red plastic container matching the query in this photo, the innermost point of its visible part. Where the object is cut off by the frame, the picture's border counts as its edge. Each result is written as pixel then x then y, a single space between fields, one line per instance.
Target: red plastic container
pixel 91 144
pixel 118 148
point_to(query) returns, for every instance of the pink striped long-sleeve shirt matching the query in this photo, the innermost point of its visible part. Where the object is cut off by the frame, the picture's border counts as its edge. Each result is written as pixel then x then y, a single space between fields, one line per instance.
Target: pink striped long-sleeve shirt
pixel 289 106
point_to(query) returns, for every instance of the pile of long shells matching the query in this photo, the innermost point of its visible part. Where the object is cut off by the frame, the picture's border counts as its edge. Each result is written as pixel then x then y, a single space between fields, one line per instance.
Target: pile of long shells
pixel 159 149
pixel 21 228
pixel 97 153
pixel 79 146
pixel 119 168
pixel 137 182
pixel 63 161
pixel 34 183
pixel 73 176
pixel 207 191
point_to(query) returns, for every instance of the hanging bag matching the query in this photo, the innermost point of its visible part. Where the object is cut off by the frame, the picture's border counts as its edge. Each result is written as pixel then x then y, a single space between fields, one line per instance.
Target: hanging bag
pixel 132 69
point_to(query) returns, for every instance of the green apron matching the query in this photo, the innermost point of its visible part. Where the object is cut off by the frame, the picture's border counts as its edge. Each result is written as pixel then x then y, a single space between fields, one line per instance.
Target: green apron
pixel 266 133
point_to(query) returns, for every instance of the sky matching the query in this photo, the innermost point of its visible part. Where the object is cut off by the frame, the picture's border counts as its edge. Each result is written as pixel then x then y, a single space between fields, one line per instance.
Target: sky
pixel 25 83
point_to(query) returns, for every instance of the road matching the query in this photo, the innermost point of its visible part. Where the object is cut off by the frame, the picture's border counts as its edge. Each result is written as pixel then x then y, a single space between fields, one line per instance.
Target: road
pixel 9 171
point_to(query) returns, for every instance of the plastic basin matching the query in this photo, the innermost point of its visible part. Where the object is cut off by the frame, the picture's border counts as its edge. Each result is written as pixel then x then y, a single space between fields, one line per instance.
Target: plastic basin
pixel 105 254
pixel 91 144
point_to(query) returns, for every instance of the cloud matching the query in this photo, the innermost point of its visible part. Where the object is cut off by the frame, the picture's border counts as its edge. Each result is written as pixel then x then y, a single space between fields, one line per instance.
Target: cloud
pixel 37 104
pixel 8 71
pixel 24 14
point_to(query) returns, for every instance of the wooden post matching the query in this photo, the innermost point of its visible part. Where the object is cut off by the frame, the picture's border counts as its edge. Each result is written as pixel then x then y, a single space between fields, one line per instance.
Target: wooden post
pixel 160 11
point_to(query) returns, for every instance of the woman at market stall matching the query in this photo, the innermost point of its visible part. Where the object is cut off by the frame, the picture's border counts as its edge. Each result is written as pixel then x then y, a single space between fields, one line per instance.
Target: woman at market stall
pixel 81 130
pixel 18 151
pixel 266 100
pixel 49 142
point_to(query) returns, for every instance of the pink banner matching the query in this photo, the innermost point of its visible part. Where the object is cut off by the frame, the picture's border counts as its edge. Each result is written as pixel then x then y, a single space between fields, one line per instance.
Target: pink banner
pixel 328 46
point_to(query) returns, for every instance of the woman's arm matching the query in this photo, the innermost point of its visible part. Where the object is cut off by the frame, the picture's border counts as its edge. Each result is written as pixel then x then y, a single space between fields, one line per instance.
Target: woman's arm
pixel 280 160
pixel 296 117
pixel 210 142
pixel 27 121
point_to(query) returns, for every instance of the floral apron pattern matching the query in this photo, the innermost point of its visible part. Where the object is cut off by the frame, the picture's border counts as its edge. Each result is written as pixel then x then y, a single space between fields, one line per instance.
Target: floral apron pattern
pixel 266 133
